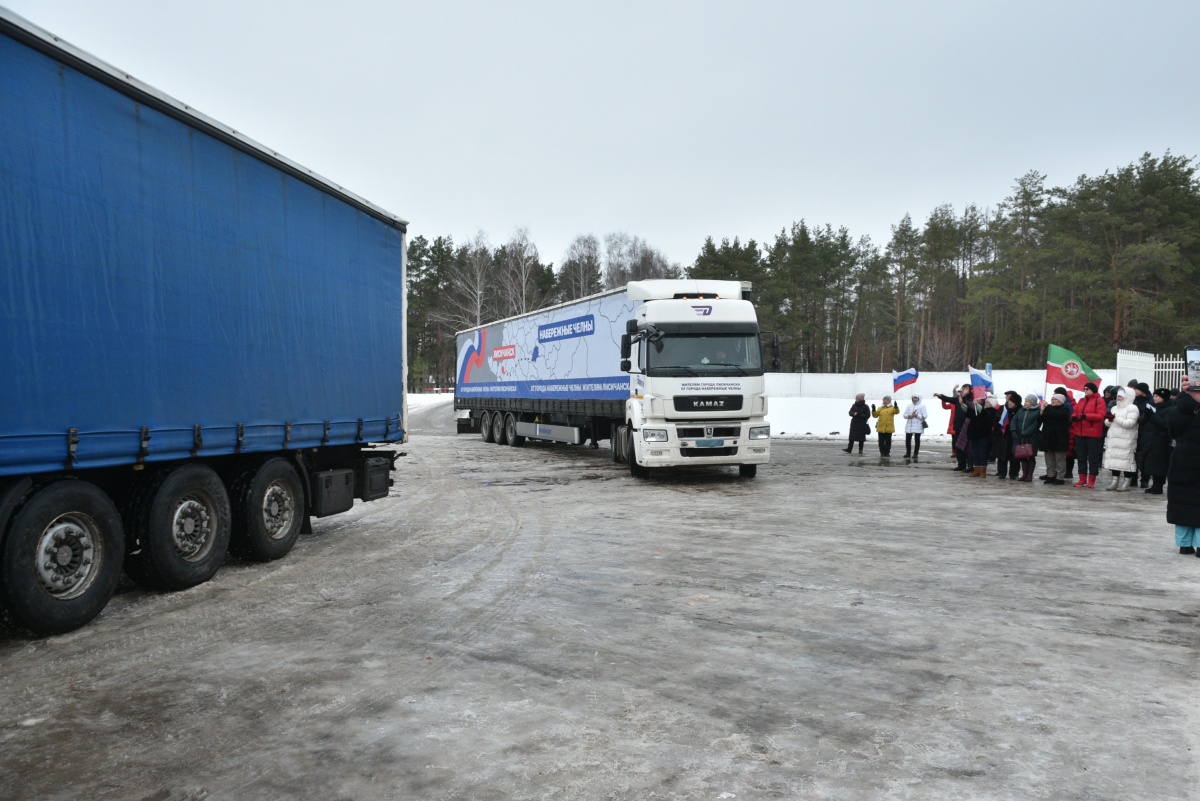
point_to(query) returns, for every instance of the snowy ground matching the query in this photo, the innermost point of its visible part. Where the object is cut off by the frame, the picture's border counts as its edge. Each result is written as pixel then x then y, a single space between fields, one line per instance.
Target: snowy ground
pixel 532 623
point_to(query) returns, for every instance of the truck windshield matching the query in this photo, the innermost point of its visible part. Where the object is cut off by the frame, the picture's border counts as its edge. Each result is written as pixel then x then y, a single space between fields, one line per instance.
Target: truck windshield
pixel 704 354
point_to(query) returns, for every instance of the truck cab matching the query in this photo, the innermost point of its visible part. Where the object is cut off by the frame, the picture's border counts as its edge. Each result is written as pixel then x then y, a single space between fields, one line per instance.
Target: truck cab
pixel 694 354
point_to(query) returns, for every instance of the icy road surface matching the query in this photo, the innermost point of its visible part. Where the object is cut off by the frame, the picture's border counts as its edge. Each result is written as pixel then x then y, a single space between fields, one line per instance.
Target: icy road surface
pixel 532 623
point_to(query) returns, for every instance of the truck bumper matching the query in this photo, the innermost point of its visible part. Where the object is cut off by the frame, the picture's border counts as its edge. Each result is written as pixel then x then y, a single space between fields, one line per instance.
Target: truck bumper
pixel 702 443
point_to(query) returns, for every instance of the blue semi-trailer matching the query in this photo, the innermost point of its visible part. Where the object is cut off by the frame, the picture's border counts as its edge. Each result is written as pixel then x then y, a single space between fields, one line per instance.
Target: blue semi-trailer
pixel 201 342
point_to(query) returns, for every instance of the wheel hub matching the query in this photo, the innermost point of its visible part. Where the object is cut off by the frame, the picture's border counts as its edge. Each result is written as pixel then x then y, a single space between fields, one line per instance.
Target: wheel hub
pixel 192 529
pixel 65 562
pixel 278 509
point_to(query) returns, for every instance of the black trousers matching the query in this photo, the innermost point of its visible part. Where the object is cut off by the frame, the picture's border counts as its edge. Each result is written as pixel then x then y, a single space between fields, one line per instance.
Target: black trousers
pixel 885 444
pixel 1088 452
pixel 912 444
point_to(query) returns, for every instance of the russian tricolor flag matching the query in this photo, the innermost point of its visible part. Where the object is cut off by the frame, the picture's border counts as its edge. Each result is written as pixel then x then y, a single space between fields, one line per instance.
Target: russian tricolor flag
pixel 981 381
pixel 902 380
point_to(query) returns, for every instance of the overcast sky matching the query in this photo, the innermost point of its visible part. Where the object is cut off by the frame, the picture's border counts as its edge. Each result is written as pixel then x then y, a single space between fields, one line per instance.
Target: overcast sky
pixel 670 121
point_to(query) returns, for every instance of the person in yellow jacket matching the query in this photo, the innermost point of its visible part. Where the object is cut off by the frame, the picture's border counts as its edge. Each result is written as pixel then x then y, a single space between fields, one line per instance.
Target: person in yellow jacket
pixel 886 425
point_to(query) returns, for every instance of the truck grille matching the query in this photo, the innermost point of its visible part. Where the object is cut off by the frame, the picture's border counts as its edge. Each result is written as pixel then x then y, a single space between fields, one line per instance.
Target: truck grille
pixel 708 403
pixel 708 451
pixel 718 432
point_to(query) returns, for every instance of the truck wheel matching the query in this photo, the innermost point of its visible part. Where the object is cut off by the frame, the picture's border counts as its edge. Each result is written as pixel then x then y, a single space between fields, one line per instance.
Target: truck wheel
pixel 498 428
pixel 485 426
pixel 747 470
pixel 182 517
pixel 511 436
pixel 635 469
pixel 61 558
pixel 268 511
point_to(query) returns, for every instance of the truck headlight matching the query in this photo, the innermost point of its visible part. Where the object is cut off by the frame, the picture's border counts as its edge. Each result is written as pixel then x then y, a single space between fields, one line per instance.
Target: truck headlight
pixel 760 432
pixel 654 434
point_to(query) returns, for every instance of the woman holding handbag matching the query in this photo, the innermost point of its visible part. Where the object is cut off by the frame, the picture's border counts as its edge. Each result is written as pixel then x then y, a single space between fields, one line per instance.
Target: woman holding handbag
pixel 914 425
pixel 1024 431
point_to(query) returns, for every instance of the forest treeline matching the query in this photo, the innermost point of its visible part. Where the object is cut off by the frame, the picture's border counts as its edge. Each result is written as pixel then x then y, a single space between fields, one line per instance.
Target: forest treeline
pixel 1112 261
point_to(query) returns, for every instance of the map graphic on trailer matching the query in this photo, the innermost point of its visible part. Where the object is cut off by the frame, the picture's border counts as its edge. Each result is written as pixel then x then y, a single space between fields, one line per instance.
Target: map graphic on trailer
pixel 568 352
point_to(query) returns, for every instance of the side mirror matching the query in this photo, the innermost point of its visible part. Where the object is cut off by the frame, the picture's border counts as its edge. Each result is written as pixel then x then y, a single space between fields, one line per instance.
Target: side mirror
pixel 776 360
pixel 626 346
pixel 626 365
pixel 631 326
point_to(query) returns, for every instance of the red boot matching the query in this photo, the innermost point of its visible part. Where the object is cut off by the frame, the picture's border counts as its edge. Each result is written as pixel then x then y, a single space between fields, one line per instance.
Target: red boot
pixel 1092 481
pixel 1082 482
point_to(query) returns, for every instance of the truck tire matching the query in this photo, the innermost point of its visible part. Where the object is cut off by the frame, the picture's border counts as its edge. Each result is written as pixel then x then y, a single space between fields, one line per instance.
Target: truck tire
pixel 498 428
pixel 485 426
pixel 511 437
pixel 747 470
pixel 635 469
pixel 61 558
pixel 267 502
pixel 183 520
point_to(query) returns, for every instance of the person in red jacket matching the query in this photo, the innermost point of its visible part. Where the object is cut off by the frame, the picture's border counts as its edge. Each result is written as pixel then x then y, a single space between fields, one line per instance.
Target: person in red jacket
pixel 1089 416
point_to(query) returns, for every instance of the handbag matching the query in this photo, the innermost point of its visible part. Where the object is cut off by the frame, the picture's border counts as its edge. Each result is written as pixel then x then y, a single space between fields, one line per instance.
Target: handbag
pixel 1023 450
pixel 924 425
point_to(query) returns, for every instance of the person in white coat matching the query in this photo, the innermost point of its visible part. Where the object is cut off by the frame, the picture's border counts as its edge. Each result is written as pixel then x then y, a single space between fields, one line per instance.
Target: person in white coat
pixel 914 425
pixel 1120 446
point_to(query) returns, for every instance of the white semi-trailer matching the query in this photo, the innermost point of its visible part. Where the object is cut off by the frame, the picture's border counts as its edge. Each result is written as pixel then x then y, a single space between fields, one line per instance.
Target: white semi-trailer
pixel 669 371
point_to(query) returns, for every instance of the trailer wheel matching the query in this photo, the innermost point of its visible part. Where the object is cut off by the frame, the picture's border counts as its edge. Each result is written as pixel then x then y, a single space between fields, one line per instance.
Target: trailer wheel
pixel 747 470
pixel 183 520
pixel 267 502
pixel 61 558
pixel 485 426
pixel 498 428
pixel 635 469
pixel 511 436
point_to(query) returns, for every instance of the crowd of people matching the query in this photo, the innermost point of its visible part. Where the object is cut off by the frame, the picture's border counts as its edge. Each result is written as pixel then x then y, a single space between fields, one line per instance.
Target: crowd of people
pixel 1117 439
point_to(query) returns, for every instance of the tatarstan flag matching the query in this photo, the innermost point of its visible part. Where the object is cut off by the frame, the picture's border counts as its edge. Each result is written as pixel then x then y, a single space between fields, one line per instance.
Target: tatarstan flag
pixel 1066 369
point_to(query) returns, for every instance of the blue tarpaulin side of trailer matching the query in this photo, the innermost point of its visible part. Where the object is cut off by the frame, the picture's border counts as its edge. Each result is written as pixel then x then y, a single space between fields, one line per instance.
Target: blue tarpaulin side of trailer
pixel 154 277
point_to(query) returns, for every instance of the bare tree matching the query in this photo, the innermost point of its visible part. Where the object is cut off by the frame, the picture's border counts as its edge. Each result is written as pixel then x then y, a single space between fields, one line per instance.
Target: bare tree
pixel 470 285
pixel 519 271
pixel 580 274
pixel 629 258
pixel 943 351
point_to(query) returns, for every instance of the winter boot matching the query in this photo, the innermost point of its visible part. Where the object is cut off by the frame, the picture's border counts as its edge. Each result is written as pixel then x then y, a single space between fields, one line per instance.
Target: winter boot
pixel 1026 472
pixel 1156 487
pixel 1123 484
pixel 1091 481
pixel 1082 482
pixel 1116 479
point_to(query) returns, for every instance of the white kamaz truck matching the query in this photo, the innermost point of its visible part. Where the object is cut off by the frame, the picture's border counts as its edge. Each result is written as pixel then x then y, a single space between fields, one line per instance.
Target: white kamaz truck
pixel 670 372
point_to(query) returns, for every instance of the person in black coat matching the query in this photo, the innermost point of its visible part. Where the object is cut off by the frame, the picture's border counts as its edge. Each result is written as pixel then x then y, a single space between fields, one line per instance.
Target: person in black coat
pixel 957 404
pixel 983 417
pixel 1056 437
pixel 1183 477
pixel 1154 441
pixel 1002 437
pixel 860 413
pixel 1142 400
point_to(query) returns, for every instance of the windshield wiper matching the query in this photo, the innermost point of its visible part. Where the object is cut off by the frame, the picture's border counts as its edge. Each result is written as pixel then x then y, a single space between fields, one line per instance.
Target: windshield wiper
pixel 737 367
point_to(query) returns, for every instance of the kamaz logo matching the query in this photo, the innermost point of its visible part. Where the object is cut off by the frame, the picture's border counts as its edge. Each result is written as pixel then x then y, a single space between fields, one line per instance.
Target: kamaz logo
pixel 703 311
pixel 708 404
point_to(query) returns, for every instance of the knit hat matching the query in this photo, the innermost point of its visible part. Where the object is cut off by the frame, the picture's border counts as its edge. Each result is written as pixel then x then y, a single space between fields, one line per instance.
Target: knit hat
pixel 1091 385
pixel 1058 396
pixel 1031 398
pixel 1122 392
pixel 1133 382
pixel 1143 387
